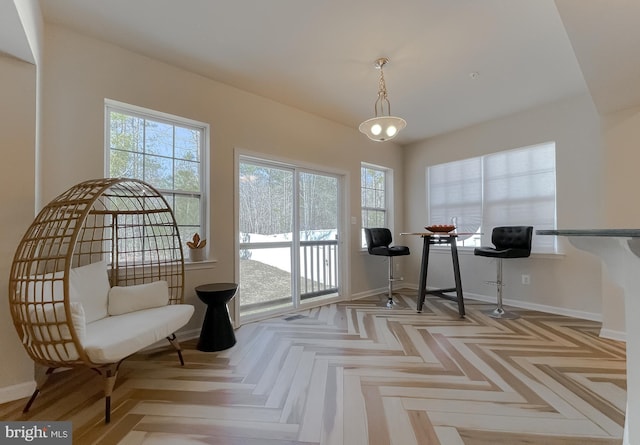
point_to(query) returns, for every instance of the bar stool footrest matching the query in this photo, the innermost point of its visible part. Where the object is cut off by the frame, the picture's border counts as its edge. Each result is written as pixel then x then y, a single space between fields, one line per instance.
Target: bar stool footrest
pixel 501 314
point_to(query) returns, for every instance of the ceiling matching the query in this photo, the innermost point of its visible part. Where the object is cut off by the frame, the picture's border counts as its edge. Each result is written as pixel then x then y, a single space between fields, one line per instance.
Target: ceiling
pixel 318 56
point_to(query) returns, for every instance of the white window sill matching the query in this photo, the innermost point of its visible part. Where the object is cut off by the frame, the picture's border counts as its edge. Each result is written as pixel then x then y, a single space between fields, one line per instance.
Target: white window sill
pixel 197 265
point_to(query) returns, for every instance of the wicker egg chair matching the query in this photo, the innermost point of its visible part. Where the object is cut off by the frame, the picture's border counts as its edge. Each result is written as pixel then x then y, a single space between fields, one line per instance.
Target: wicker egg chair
pixel 124 224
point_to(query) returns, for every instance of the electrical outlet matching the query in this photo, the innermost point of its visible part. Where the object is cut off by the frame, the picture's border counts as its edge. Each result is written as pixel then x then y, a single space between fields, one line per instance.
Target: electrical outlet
pixel 526 279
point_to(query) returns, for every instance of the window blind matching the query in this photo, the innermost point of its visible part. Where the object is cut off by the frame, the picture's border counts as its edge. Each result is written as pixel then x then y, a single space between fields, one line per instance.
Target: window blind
pixel 520 189
pixel 514 187
pixel 455 194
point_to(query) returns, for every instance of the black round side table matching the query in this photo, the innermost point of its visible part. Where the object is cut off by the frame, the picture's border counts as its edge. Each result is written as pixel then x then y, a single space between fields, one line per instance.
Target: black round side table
pixel 217 333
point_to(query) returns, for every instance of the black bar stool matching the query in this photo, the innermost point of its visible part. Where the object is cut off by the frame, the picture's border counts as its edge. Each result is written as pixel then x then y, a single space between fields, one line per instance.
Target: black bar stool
pixel 378 243
pixel 509 242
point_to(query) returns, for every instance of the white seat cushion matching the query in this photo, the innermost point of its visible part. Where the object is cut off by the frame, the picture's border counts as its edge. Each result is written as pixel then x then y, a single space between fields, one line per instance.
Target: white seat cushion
pixel 111 339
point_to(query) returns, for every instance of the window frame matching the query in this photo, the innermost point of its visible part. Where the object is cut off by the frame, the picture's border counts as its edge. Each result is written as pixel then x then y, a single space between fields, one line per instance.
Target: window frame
pixel 174 121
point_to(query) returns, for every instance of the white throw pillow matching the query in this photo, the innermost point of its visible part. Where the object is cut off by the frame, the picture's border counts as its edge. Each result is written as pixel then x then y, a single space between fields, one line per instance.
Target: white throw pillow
pixel 90 286
pixel 124 299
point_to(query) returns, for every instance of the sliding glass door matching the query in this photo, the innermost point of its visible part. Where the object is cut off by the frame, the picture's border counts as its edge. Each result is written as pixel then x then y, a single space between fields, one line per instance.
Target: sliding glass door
pixel 288 228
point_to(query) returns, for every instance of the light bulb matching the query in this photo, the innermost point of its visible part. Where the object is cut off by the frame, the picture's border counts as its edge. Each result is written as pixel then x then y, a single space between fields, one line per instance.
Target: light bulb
pixel 391 130
pixel 376 129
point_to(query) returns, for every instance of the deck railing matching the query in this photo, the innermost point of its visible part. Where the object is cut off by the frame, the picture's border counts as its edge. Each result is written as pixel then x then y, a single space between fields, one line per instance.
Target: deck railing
pixel 318 268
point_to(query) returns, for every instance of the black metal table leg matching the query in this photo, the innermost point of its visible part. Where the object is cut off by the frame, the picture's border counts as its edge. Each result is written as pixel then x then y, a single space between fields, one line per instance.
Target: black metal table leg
pixel 422 285
pixel 424 267
pixel 456 275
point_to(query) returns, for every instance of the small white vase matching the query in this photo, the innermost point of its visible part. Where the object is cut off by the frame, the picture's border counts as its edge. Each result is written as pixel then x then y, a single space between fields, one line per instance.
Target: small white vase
pixel 196 255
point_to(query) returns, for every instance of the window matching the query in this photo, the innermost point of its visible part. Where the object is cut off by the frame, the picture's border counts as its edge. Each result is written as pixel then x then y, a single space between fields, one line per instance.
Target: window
pixel 374 201
pixel 165 151
pixel 514 187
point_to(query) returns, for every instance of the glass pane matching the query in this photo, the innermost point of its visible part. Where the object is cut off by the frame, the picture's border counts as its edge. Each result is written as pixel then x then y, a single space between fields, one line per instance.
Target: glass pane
pixel 318 222
pixel 187 210
pixel 186 234
pixel 187 176
pixel 187 144
pixel 126 132
pixel 318 206
pixel 159 139
pixel 376 219
pixel 266 218
pixel 377 179
pixel 265 279
pixel 266 203
pixel 125 164
pixel 373 188
pixel 380 201
pixel 369 198
pixel 159 172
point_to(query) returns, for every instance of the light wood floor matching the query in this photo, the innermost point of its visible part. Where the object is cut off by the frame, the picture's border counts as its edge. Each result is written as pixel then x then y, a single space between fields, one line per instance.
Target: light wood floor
pixel 358 373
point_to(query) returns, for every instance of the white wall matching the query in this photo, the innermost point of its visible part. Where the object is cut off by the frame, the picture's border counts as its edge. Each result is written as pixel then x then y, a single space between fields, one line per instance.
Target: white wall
pixel 622 139
pixel 19 121
pixel 621 207
pixel 17 179
pixel 571 282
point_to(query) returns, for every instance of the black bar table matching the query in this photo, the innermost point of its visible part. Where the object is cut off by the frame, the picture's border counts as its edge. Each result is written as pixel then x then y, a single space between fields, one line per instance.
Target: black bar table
pixel 449 238
pixel 216 333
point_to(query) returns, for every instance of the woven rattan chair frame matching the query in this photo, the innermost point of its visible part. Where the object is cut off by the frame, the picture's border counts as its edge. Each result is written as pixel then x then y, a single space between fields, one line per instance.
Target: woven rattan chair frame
pixel 125 222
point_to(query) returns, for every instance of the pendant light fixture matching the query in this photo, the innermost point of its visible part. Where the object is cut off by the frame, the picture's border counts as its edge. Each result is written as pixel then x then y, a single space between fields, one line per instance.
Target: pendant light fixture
pixel 382 127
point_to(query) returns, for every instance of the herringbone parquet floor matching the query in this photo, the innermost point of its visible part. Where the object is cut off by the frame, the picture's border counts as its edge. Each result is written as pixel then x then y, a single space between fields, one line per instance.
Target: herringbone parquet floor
pixel 358 373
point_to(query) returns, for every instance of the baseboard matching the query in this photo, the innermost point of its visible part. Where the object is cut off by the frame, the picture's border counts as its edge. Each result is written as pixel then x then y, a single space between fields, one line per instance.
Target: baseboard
pixel 15 392
pixel 369 293
pixel 537 307
pixel 531 306
pixel 613 335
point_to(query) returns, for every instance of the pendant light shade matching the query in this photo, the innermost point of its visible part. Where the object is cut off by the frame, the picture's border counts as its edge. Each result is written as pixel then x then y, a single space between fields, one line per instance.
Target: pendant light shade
pixel 382 127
